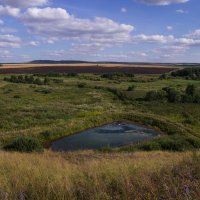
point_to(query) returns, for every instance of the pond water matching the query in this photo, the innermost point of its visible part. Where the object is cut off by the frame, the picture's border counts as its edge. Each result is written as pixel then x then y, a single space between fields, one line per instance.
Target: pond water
pixel 113 135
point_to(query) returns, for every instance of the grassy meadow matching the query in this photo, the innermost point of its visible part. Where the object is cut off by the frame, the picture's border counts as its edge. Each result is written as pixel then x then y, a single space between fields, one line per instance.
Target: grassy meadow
pixel 67 105
pixel 70 104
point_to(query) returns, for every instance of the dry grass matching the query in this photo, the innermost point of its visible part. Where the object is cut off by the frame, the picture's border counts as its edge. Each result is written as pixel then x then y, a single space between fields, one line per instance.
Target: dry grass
pixel 89 175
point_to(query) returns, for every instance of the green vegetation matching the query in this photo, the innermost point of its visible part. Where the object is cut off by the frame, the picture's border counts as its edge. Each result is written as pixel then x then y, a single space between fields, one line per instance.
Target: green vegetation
pixel 33 114
pixel 66 104
pixel 24 144
pixel 189 73
pixel 190 95
pixel 27 80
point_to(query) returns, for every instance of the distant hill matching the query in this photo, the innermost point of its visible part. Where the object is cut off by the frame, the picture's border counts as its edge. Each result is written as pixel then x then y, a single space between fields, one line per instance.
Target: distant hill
pixel 56 62
pixel 97 62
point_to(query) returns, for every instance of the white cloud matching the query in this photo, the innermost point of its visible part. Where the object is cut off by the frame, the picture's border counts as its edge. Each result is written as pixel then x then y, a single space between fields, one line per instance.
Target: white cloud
pixel 5 54
pixel 57 23
pixel 34 43
pixel 195 34
pixel 162 2
pixel 180 11
pixel 23 3
pixel 153 38
pixel 123 10
pixel 187 42
pixel 121 56
pixel 7 30
pixel 169 28
pixel 1 22
pixel 7 10
pixel 7 57
pixel 9 41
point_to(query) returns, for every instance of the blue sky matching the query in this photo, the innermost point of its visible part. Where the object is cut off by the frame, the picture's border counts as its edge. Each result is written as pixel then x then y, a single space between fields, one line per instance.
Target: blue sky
pixel 100 30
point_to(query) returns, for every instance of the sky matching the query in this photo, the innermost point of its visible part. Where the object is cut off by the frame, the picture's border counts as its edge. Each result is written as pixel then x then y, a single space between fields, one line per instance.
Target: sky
pixel 100 30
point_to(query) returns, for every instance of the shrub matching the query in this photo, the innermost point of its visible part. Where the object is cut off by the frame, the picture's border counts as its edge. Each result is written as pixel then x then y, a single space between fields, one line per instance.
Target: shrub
pixel 46 81
pixel 16 97
pixel 46 134
pixel 173 96
pixel 57 80
pixel 26 79
pixel 43 90
pixel 174 143
pixel 195 142
pixel 187 98
pixel 190 90
pixel 131 88
pixel 82 85
pixel 24 144
pixel 155 96
pixel 197 98
pixel 151 146
pixel 163 76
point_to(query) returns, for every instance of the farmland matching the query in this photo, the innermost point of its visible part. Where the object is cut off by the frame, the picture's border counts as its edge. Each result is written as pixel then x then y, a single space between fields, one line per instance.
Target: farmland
pixel 85 68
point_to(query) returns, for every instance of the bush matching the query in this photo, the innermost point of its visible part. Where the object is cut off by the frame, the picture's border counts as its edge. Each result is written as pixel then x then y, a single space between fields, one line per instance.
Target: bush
pixel 82 85
pixel 116 76
pixel 187 98
pixel 173 96
pixel 151 146
pixel 174 143
pixel 24 144
pixel 26 80
pixel 155 96
pixel 16 97
pixel 197 98
pixel 190 90
pixel 46 135
pixel 195 142
pixel 43 90
pixel 131 88
pixel 163 76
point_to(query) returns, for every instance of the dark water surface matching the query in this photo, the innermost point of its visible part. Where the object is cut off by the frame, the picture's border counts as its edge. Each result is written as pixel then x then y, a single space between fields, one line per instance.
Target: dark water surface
pixel 112 135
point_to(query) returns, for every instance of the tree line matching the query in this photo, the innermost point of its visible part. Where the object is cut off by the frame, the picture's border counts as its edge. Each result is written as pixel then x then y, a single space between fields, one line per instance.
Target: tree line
pixel 27 79
pixel 190 95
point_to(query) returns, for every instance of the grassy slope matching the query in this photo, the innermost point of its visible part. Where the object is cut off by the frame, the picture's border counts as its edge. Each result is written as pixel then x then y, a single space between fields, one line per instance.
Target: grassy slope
pixel 89 175
pixel 27 110
pixel 93 175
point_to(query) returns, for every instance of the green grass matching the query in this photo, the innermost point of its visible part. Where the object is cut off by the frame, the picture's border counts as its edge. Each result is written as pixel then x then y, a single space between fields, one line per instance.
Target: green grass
pixel 65 108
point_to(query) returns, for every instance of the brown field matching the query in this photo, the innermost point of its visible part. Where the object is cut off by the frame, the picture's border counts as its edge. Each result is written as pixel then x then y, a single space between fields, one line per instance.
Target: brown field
pixel 85 68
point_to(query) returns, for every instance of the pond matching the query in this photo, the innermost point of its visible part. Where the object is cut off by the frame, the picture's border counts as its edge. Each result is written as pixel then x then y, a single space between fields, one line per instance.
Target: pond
pixel 113 135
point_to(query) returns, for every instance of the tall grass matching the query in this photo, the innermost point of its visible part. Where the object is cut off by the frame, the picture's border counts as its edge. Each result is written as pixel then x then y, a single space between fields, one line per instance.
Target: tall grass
pixel 89 176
